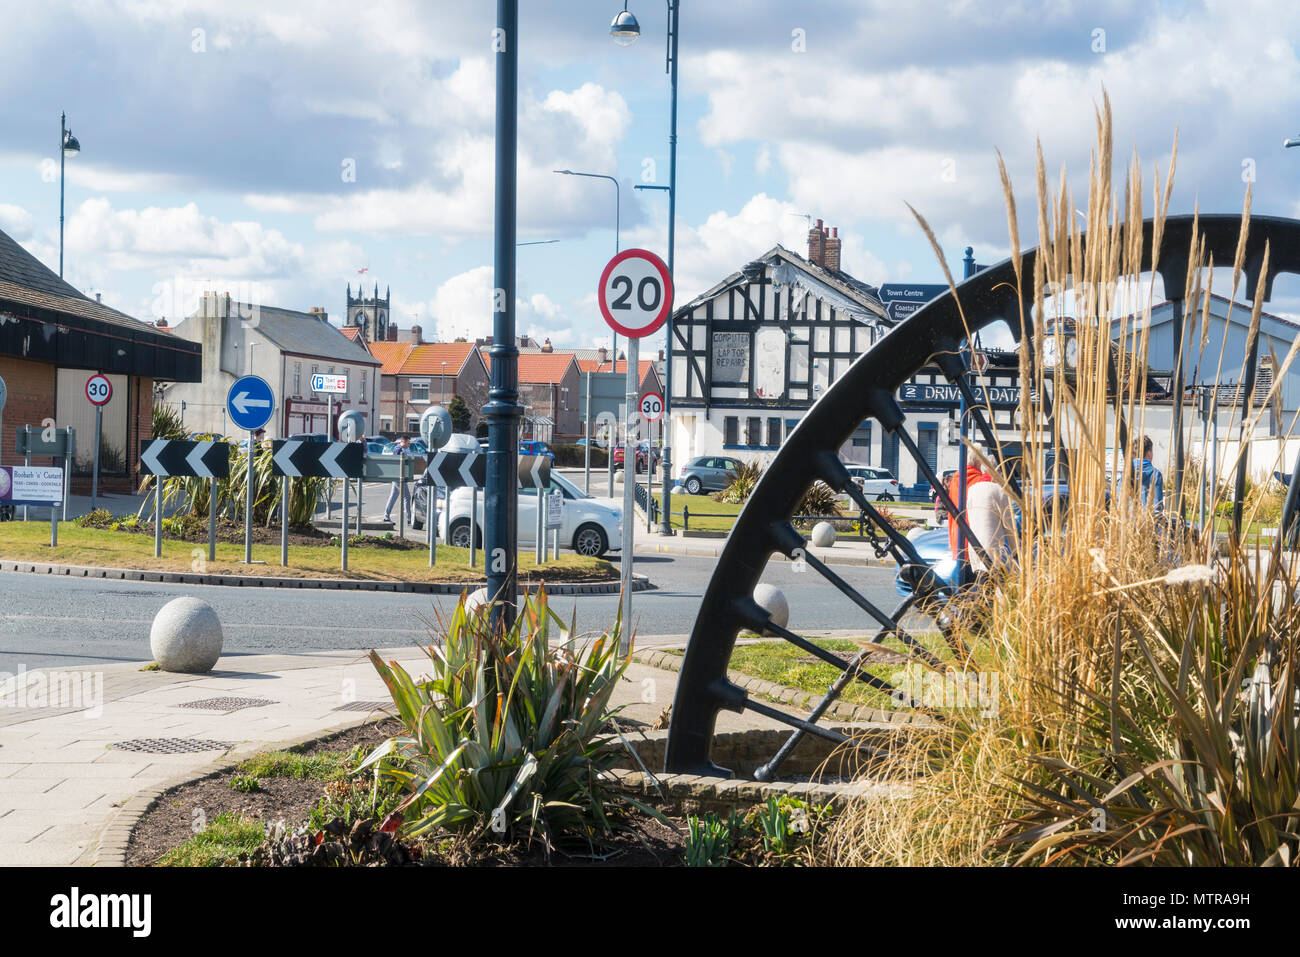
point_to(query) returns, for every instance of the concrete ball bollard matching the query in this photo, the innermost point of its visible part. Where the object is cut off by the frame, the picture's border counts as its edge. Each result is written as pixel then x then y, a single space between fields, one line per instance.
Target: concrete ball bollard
pixel 475 600
pixel 823 535
pixel 772 600
pixel 186 636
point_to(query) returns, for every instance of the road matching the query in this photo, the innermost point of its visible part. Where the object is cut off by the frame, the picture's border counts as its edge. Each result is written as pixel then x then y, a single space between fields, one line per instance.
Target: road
pixel 48 622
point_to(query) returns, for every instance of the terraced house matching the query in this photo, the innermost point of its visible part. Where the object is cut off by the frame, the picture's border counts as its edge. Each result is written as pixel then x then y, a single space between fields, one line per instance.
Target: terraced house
pixel 416 375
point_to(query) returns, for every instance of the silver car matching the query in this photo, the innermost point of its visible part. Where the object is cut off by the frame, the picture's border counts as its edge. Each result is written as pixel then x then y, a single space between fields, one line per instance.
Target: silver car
pixel 708 473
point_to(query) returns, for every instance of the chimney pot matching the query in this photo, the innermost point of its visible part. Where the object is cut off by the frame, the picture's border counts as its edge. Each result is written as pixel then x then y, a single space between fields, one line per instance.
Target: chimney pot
pixel 832 251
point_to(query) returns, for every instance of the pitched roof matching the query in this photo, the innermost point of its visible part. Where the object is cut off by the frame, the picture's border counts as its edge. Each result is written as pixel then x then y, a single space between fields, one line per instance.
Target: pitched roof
pixel 427 358
pixel 25 279
pixel 539 367
pixel 392 354
pixel 351 332
pixel 303 333
pixel 619 368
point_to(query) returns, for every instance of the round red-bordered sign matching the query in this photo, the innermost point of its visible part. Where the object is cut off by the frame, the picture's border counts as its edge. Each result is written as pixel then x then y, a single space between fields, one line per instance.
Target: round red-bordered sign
pixel 99 390
pixel 635 293
pixel 652 407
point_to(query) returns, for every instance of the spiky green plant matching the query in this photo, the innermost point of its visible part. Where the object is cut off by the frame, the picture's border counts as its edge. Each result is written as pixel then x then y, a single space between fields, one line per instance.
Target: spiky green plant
pixel 741 485
pixel 167 422
pixel 507 738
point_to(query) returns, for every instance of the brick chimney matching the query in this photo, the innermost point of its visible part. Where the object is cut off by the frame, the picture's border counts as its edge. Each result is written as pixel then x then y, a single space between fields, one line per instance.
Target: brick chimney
pixel 833 250
pixel 817 244
pixel 417 334
pixel 604 355
pixel 392 332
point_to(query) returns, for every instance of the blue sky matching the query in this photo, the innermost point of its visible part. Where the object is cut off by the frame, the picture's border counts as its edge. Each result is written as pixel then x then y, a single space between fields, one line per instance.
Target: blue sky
pixel 216 137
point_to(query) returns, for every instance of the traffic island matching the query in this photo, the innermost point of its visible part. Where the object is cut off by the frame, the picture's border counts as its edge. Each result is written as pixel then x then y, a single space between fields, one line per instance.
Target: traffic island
pixel 376 563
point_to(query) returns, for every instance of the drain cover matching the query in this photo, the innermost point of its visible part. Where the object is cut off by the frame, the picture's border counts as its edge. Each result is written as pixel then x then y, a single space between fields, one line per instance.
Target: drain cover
pixel 169 745
pixel 227 704
pixel 364 706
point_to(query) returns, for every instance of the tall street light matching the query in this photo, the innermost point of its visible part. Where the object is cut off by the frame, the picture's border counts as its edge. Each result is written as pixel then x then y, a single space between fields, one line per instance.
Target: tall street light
pixel 501 504
pixel 68 146
pixel 618 206
pixel 624 30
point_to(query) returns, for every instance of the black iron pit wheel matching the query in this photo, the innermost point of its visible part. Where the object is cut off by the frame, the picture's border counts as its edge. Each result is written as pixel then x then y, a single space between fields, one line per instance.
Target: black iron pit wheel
pixel 866 391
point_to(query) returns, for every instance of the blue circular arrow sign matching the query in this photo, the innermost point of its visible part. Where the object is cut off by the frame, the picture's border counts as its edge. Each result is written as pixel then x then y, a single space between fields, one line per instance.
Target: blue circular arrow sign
pixel 250 403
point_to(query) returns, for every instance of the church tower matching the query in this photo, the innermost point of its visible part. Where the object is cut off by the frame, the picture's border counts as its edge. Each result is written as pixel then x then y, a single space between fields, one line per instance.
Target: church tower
pixel 370 313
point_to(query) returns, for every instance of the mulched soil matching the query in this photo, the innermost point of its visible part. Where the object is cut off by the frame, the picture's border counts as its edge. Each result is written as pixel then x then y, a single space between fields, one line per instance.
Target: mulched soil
pixel 642 842
pixel 232 533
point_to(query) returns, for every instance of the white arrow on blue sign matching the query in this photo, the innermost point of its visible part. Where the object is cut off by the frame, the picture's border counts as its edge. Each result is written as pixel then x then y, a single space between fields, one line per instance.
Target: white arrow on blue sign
pixel 250 403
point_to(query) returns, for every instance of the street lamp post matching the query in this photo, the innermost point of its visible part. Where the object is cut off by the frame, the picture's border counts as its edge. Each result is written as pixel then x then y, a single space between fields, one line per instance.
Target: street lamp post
pixel 442 385
pixel 618 206
pixel 624 30
pixel 68 146
pixel 502 411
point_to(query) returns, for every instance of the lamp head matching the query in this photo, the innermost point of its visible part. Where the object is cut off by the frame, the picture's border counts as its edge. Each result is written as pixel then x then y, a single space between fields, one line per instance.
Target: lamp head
pixel 70 145
pixel 624 29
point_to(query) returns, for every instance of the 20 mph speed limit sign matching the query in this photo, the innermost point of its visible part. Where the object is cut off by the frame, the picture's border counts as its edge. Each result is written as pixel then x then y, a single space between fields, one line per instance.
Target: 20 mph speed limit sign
pixel 99 390
pixel 652 406
pixel 635 293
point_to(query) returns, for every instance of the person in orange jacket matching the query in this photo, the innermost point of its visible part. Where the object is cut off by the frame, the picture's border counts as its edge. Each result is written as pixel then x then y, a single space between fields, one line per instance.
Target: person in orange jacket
pixel 973 476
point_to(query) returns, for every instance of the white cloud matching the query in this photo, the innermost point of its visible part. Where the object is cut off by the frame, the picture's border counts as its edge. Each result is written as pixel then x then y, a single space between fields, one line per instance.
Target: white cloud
pixel 16 221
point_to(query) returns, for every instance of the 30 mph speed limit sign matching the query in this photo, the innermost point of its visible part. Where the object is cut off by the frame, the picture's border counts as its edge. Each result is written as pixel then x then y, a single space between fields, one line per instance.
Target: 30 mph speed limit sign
pixel 99 390
pixel 652 406
pixel 635 293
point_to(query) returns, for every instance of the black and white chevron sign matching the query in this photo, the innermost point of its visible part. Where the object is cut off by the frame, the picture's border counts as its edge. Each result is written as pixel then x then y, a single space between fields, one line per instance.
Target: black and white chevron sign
pixel 534 471
pixel 452 470
pixel 179 457
pixel 301 459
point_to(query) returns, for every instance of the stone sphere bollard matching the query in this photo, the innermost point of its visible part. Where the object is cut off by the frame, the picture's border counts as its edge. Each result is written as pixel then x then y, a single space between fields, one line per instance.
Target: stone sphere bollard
pixel 678 490
pixel 823 535
pixel 186 636
pixel 772 600
pixel 475 600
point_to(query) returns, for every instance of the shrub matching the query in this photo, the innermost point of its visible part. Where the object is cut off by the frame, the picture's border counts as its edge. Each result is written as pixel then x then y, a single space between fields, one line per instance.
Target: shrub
pixel 167 423
pixel 99 518
pixel 506 737
pixel 742 484
pixel 460 413
pixel 574 455
pixel 818 500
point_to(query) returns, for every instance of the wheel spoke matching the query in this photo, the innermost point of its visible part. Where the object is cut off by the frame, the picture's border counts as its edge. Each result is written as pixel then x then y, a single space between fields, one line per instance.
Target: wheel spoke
pixel 942 493
pixel 807 726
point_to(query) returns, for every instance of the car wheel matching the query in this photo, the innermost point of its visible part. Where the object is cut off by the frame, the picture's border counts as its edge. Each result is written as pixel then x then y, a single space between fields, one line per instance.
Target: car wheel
pixel 884 497
pixel 693 485
pixel 459 534
pixel 590 540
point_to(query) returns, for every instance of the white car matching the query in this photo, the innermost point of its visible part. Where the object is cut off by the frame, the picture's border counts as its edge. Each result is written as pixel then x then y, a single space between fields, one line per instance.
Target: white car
pixel 590 526
pixel 876 484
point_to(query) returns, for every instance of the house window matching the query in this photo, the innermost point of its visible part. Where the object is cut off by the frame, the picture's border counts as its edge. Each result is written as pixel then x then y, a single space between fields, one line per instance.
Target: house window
pixel 773 433
pixel 731 430
pixel 754 431
pixel 363 386
pixel 419 390
pixel 412 424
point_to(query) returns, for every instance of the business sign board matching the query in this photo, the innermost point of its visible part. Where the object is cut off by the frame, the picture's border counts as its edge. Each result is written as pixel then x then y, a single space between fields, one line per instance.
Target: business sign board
pixel 31 485
pixel 946 394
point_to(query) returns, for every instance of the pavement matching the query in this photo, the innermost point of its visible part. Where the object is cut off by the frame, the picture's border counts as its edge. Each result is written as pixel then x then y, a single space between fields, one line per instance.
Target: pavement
pixel 69 792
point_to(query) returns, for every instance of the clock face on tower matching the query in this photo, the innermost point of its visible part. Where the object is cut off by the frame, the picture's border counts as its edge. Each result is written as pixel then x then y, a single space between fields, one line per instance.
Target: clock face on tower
pixel 360 318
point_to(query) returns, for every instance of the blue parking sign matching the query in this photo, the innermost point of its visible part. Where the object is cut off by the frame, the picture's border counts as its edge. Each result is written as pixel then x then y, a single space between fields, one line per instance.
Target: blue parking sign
pixel 250 403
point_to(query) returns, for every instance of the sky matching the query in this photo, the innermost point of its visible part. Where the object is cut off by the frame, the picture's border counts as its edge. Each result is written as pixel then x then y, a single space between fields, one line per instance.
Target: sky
pixel 280 151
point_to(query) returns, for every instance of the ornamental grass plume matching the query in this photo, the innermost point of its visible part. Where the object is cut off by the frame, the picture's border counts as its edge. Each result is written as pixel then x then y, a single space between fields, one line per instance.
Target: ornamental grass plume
pixel 1148 686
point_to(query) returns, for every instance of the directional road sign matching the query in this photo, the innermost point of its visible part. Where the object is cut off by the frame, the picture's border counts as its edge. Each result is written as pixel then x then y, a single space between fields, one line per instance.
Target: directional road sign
pixel 323 382
pixel 534 471
pixel 452 470
pixel 635 293
pixel 250 403
pixel 205 459
pixel 903 299
pixel 303 459
pixel 98 390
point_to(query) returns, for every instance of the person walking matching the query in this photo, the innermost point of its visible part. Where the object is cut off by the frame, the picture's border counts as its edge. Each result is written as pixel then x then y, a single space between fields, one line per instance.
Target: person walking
pixel 974 477
pixel 403 448
pixel 992 519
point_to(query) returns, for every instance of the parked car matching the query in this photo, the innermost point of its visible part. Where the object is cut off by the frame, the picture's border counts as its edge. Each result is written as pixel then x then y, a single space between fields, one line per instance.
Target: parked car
pixel 876 483
pixel 536 448
pixel 310 437
pixel 376 447
pixel 417 447
pixel 591 526
pixel 707 473
pixel 644 453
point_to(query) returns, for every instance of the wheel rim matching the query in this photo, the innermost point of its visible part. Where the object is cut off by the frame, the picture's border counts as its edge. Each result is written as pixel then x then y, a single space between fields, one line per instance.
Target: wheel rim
pixel 929 337
pixel 460 535
pixel 587 542
pixel 693 486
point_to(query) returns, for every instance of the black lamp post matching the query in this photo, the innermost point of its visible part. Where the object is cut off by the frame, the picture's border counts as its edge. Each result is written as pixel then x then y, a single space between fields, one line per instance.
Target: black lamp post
pixel 68 146
pixel 501 505
pixel 624 30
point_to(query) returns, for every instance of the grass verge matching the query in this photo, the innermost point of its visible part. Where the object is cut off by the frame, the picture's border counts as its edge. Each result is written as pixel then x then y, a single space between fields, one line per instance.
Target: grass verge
pixel 30 541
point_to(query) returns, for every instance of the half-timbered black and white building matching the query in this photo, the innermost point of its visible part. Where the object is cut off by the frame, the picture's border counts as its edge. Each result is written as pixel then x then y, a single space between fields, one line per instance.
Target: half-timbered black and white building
pixel 753 353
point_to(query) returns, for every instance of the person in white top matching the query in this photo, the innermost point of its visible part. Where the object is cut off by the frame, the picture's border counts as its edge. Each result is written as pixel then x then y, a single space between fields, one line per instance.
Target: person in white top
pixel 992 519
